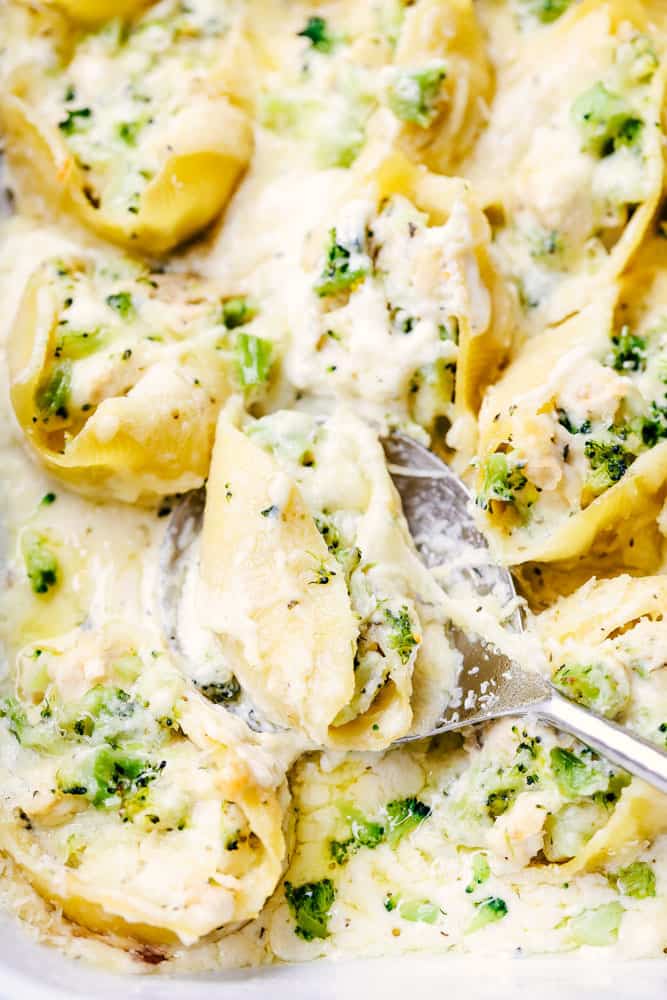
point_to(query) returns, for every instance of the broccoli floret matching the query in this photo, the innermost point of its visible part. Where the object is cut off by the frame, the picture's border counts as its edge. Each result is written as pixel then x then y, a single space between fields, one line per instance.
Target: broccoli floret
pixel 317 32
pixel 75 120
pixel 480 872
pixel 221 692
pixel 609 461
pixel 604 121
pixel 498 802
pixel 237 312
pixel 40 562
pixel 253 359
pixel 489 910
pixel 507 484
pixel 592 685
pixel 402 637
pixel 628 353
pixel 342 850
pixel 338 275
pixel 575 776
pixel 565 421
pixel 52 395
pixel 114 777
pixel 404 816
pixel 654 427
pixel 413 94
pixel 128 132
pixel 40 737
pixel 363 833
pixel 545 11
pixel 310 904
pixel 636 880
pixel 99 704
pixel 122 303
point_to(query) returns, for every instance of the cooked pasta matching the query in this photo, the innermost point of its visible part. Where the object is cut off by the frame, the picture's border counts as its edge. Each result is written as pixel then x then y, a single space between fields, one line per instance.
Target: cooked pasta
pixel 243 242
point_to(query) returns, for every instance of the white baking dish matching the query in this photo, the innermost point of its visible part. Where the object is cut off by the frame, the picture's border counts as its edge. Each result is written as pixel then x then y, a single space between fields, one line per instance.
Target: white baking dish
pixel 31 972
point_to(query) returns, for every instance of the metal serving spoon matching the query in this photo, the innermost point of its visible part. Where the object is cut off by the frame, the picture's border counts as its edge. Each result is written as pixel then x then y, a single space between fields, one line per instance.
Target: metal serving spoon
pixel 437 506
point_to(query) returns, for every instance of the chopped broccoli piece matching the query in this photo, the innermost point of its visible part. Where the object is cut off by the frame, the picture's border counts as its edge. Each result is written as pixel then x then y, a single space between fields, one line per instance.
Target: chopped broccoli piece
pixel 545 11
pixel 76 344
pixel 122 303
pixel 338 276
pixel 237 312
pixel 363 833
pixel 221 692
pixel 40 562
pixel 565 421
pixel 654 427
pixel 604 121
pixel 40 737
pixel 404 816
pixel 48 499
pixel 507 484
pixel 449 330
pixel 114 777
pixel 107 704
pixel 253 359
pixel 575 776
pixel 317 32
pixel 489 911
pixel 628 353
pixel 419 911
pixel 342 850
pixel 128 132
pixel 310 904
pixel 598 926
pixel 592 685
pixel 76 120
pixel 609 461
pixel 636 880
pixel 413 93
pixel 480 872
pixel 53 392
pixel 568 830
pixel 402 638
pixel 390 902
pixel 498 802
pixel 367 834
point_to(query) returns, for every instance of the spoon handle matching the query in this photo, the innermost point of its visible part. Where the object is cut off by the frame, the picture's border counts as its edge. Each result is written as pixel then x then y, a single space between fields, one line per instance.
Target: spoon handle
pixel 614 742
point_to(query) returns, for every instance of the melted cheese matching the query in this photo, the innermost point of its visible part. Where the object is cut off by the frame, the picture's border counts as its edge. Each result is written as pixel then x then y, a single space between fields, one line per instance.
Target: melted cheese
pixel 445 227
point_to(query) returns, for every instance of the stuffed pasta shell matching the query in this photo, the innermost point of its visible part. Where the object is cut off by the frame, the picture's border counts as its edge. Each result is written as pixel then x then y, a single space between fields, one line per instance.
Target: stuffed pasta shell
pixel 118 373
pixel 107 785
pixel 130 130
pixel 577 463
pixel 312 584
pixel 576 153
pixel 440 83
pixel 421 69
pixel 605 644
pixel 403 308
